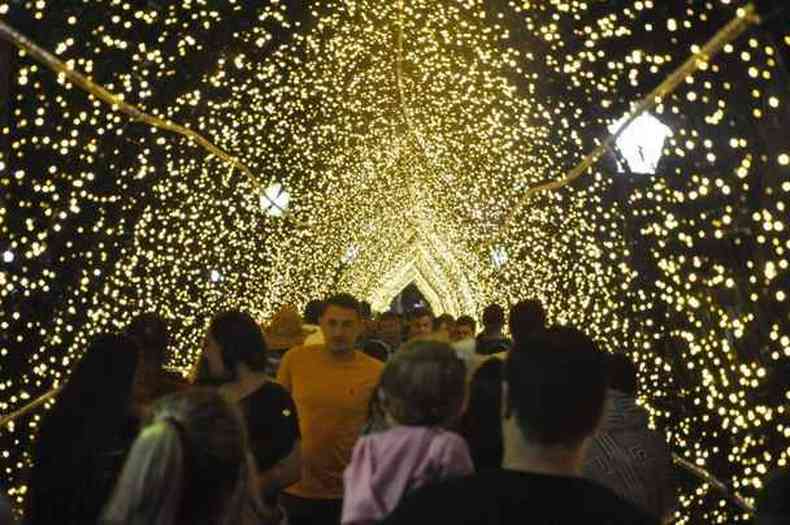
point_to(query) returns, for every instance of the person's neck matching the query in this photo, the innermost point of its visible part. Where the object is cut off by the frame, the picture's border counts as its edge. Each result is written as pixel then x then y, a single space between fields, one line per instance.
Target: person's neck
pixel 492 332
pixel 556 460
pixel 247 381
pixel 340 355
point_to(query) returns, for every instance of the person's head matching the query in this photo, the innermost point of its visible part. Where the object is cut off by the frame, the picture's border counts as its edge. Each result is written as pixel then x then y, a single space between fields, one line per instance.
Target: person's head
pixel 389 328
pixel 444 324
pixel 233 340
pixel 188 465
pixel 108 366
pixel 773 505
pixel 421 323
pixel 465 328
pixel 365 310
pixel 274 436
pixel 526 317
pixel 149 331
pixel 493 318
pixel 481 424
pixel 622 374
pixel 312 312
pixel 341 323
pixel 92 412
pixel 424 385
pixel 556 385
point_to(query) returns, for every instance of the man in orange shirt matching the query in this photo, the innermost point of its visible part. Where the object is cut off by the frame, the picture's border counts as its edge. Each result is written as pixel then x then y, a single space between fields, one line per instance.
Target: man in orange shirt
pixel 331 385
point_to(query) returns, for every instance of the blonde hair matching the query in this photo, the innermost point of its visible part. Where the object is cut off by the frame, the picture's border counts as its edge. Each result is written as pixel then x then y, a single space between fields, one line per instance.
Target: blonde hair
pixel 424 384
pixel 188 465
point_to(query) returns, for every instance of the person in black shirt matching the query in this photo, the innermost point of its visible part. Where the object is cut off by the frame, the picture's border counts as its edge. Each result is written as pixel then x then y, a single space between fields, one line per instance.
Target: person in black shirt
pixel 235 360
pixel 554 395
pixel 480 423
pixel 526 317
pixel 491 340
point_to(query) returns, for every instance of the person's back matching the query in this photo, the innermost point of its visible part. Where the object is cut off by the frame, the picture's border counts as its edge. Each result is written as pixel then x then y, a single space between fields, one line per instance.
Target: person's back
pixel 421 392
pixel 480 424
pixel 555 389
pixel 190 465
pixel 86 436
pixel 625 455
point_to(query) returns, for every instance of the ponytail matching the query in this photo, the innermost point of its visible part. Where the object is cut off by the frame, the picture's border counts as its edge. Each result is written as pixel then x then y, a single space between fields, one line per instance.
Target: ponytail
pixel 152 483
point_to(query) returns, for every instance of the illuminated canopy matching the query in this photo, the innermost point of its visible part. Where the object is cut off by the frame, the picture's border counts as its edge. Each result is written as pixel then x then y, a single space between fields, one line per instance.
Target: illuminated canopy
pixel 394 142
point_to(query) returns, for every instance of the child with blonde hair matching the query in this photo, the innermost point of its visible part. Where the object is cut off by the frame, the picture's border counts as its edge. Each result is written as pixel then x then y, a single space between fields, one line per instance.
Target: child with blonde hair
pixel 420 395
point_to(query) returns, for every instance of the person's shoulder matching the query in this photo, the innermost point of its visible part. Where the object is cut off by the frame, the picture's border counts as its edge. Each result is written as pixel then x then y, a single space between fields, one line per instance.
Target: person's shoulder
pixel 607 502
pixel 272 390
pixel 298 352
pixel 368 362
pixel 449 437
pixel 452 500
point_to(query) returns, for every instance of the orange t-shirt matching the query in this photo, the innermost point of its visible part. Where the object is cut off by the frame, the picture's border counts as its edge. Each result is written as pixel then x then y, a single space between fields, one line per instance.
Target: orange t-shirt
pixel 332 397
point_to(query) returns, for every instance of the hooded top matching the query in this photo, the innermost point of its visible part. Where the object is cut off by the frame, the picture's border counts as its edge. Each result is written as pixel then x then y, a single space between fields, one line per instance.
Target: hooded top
pixel 629 458
pixel 385 466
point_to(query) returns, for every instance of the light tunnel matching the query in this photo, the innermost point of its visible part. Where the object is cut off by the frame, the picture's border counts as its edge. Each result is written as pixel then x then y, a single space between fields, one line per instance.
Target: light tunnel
pixel 361 146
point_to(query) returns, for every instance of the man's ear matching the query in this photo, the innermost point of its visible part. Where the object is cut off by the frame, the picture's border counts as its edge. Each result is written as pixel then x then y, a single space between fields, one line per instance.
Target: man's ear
pixel 507 408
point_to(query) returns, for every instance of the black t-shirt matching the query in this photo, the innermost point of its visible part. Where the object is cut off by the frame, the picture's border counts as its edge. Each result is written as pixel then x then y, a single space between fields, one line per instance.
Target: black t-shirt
pixel 505 497
pixel 492 344
pixel 272 424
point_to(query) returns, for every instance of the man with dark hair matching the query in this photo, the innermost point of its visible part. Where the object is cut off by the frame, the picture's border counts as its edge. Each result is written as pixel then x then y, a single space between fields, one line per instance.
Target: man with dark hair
pixel 420 324
pixel 312 313
pixel 554 395
pixel 625 455
pixel 464 342
pixel 465 327
pixel 443 327
pixel 332 385
pixel 389 330
pixel 526 317
pixel 386 338
pixel 773 504
pixel 491 341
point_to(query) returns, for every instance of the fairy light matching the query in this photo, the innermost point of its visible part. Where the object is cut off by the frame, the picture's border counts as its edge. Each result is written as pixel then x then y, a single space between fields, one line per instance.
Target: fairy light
pixel 372 172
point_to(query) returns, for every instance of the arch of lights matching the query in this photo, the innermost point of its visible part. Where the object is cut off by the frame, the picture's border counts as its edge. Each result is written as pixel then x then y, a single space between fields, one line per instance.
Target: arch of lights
pixel 686 269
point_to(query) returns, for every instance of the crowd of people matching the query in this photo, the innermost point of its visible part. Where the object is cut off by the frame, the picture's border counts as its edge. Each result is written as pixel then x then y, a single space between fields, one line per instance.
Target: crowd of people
pixel 336 417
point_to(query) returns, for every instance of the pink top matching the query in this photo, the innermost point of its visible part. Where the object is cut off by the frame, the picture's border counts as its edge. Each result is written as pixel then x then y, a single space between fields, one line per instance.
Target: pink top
pixel 385 466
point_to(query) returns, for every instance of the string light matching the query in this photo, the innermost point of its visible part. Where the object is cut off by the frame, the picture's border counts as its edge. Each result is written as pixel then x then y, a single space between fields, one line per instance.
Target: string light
pixel 408 135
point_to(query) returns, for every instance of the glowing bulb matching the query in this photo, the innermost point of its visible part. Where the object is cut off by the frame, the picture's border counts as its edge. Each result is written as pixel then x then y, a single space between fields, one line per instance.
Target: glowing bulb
pixel 351 254
pixel 274 200
pixel 215 276
pixel 642 142
pixel 499 257
pixel 8 257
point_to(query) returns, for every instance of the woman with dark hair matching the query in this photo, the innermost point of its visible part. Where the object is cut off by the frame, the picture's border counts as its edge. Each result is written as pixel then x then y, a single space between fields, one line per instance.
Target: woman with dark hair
pixel 83 441
pixel 151 333
pixel 188 466
pixel 481 423
pixel 235 361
